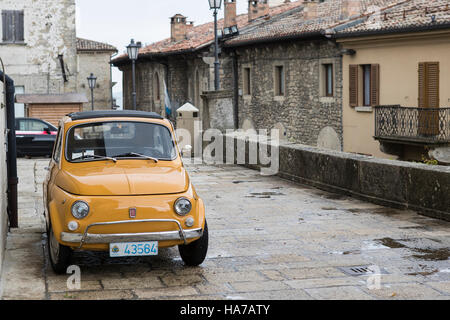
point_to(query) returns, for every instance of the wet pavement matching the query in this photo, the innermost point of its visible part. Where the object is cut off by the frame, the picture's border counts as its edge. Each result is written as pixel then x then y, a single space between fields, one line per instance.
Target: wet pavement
pixel 269 239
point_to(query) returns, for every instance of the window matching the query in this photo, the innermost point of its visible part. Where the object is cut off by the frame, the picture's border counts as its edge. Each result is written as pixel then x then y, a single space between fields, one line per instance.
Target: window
pixel 57 150
pixel 429 75
pixel 156 88
pixel 247 81
pixel 32 125
pixel 13 26
pixel 329 81
pixel 279 81
pixel 364 85
pixel 119 139
pixel 19 107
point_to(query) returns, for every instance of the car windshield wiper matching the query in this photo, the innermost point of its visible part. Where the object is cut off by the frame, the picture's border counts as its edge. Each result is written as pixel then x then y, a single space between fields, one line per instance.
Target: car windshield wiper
pixel 134 154
pixel 86 156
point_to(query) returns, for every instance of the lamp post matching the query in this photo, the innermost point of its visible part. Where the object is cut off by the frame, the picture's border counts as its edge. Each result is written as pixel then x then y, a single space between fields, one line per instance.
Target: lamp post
pixel 215 5
pixel 91 82
pixel 133 52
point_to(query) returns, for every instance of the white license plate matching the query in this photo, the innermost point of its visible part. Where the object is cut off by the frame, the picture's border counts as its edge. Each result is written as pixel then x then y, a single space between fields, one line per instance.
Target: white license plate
pixel 133 249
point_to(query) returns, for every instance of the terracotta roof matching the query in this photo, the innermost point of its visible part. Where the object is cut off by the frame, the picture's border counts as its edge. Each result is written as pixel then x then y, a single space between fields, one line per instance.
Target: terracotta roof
pixel 410 15
pixel 90 45
pixel 329 14
pixel 203 35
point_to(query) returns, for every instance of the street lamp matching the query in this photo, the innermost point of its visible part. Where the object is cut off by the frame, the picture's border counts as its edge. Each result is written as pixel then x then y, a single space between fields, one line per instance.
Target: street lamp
pixel 91 82
pixel 215 5
pixel 133 52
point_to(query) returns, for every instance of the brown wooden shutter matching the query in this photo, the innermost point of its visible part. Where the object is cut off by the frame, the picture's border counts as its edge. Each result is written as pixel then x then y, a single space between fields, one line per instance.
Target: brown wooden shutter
pixel 433 84
pixel 375 84
pixel 422 85
pixel 353 85
pixel 428 98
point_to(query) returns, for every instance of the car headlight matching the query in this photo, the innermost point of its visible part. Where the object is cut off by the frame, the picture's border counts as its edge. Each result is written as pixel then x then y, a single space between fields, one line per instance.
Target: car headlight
pixel 182 206
pixel 80 209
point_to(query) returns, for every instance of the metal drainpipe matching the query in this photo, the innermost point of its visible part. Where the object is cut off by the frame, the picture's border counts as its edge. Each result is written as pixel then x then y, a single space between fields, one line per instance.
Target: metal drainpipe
pixel 13 180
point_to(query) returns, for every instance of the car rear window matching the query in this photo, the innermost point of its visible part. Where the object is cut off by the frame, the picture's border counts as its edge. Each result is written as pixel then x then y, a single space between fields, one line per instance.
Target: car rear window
pixel 119 139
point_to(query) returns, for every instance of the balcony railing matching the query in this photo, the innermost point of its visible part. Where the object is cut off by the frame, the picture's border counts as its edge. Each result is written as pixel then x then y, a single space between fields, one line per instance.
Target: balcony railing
pixel 414 125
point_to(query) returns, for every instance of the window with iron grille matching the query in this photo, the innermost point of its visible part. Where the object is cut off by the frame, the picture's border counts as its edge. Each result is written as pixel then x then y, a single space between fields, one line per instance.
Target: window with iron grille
pixel 13 26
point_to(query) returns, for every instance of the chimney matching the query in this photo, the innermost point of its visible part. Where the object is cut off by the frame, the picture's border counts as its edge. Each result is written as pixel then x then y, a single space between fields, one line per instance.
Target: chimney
pixel 310 9
pixel 230 13
pixel 258 9
pixel 351 8
pixel 179 28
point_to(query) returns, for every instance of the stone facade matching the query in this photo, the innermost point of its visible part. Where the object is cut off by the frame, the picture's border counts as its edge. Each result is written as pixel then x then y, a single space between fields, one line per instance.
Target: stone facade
pixel 304 110
pixel 94 57
pixel 49 32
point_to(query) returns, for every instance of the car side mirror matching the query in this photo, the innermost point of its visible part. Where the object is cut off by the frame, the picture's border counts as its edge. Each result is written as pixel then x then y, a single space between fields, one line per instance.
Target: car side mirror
pixel 47 130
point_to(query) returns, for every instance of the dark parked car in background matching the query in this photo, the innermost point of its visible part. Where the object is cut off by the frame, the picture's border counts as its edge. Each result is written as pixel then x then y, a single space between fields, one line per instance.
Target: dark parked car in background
pixel 34 137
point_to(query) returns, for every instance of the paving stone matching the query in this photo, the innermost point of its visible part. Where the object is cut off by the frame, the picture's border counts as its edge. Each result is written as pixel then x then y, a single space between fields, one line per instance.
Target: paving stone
pixel 270 239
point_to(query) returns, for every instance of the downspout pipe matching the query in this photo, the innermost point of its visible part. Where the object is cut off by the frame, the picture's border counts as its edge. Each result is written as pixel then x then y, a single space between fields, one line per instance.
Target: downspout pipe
pixel 13 180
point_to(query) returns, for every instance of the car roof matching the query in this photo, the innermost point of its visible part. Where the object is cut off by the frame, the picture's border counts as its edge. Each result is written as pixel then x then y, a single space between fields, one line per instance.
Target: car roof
pixel 113 114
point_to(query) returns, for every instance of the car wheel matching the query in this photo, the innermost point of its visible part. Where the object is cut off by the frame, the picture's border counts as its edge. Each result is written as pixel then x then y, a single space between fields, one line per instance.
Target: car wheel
pixel 194 253
pixel 59 255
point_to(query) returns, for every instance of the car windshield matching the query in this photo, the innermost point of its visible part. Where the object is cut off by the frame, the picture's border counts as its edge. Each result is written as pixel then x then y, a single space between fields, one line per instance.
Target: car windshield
pixel 116 140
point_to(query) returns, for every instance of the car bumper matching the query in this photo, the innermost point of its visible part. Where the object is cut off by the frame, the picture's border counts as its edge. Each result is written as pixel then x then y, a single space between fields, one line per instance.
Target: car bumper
pixel 89 238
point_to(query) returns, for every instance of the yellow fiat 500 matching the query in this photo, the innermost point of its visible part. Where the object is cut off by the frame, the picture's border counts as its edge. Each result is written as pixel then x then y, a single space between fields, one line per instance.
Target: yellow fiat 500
pixel 117 183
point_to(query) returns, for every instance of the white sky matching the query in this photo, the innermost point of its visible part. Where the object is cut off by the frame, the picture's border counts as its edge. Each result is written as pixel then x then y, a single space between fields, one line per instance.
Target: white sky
pixel 117 21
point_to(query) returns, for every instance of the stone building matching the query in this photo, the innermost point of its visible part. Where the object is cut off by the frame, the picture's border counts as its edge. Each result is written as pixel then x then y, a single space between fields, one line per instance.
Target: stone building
pixel 39 45
pixel 280 70
pixel 185 61
pixel 41 52
pixel 95 57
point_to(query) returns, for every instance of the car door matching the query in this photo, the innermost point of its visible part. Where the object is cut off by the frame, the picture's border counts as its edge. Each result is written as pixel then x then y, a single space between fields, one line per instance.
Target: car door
pixel 52 171
pixel 36 137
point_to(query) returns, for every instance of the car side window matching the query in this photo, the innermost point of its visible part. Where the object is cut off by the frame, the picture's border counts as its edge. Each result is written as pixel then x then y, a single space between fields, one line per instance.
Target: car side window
pixel 35 125
pixel 57 149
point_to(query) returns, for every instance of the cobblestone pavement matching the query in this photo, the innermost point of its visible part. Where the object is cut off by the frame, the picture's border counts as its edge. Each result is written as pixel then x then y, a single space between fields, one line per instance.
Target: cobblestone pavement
pixel 269 239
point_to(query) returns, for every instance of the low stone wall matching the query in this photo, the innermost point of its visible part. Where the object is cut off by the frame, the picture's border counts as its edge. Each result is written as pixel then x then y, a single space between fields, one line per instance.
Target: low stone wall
pixel 405 185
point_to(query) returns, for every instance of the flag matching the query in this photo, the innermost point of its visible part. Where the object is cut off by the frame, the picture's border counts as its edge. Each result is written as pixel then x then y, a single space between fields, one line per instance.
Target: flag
pixel 167 101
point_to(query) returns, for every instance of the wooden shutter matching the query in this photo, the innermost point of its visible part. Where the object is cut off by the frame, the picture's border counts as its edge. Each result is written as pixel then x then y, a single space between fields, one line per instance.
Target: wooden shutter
pixel 7 25
pixel 428 98
pixel 374 84
pixel 18 26
pixel 432 83
pixel 422 85
pixel 353 85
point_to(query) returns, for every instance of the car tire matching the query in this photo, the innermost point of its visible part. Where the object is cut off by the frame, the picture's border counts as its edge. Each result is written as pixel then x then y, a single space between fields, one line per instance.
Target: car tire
pixel 58 254
pixel 194 254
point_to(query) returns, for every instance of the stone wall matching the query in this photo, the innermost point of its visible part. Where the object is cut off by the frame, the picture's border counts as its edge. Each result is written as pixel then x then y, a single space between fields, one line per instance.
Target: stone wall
pixel 50 31
pixel 303 111
pixel 98 64
pixel 186 78
pixel 399 184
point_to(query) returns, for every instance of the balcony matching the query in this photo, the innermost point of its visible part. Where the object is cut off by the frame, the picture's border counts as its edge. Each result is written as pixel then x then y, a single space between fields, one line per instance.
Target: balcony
pixel 395 124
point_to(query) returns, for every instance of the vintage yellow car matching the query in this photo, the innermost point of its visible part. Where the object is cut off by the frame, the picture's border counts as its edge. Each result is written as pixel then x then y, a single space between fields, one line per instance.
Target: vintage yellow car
pixel 116 182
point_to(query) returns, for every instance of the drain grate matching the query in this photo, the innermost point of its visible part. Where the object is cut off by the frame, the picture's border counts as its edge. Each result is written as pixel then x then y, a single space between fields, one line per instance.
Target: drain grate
pixel 362 270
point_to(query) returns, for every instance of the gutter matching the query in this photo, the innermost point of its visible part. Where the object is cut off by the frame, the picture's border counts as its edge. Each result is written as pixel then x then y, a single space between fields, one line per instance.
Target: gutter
pixel 11 158
pixel 298 36
pixel 430 27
